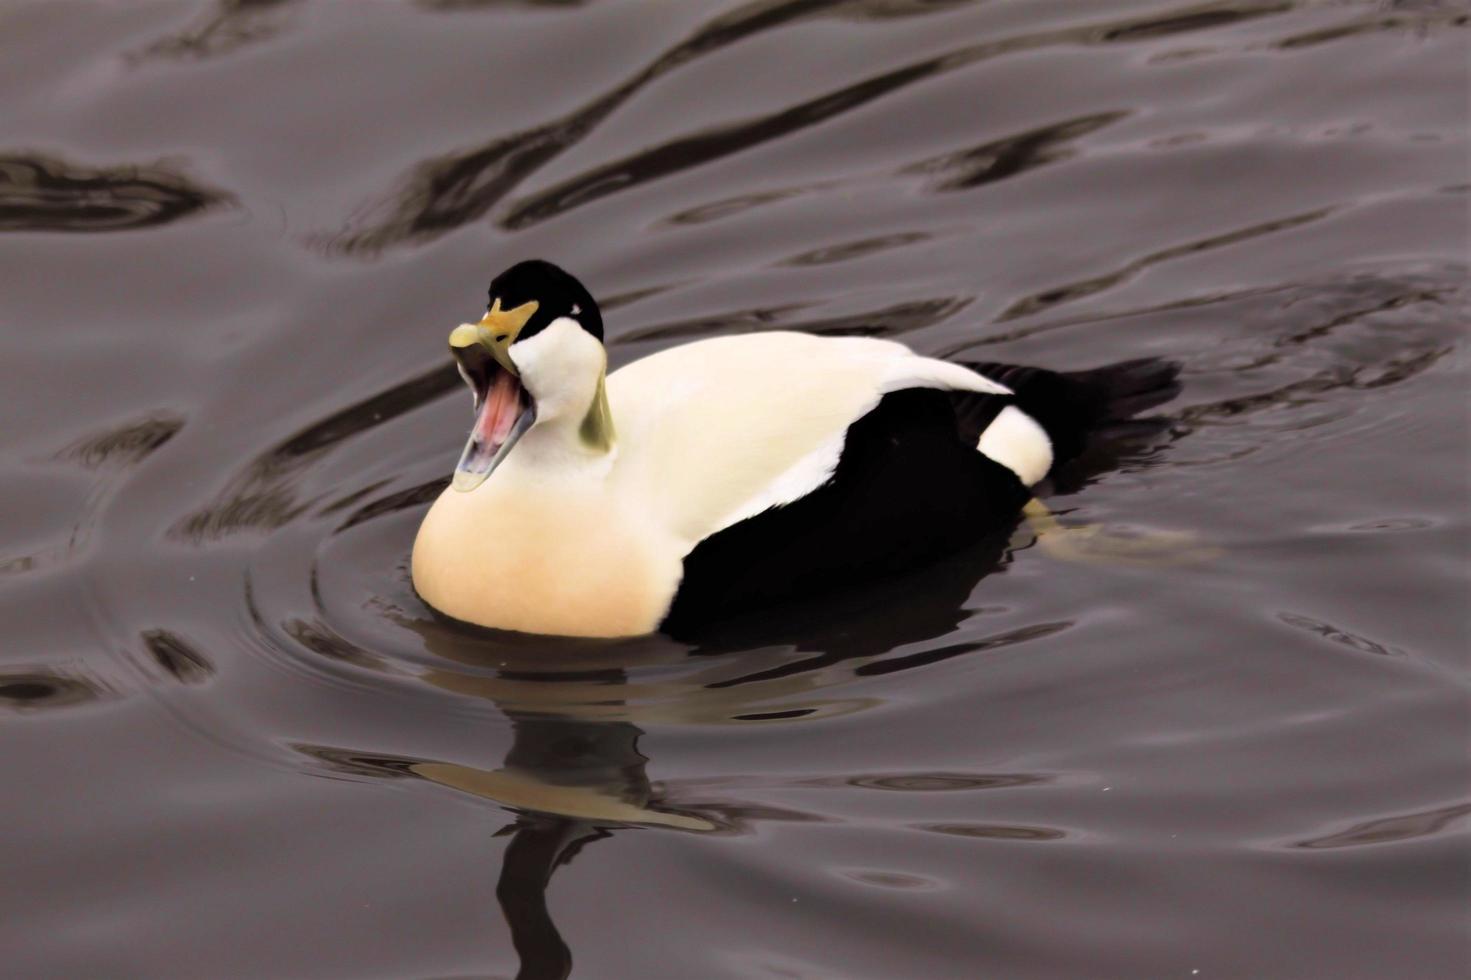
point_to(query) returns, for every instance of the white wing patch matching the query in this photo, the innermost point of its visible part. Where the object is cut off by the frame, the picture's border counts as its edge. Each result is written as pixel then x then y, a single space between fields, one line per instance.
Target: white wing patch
pixel 1017 442
pixel 925 372
pixel 898 373
pixel 796 482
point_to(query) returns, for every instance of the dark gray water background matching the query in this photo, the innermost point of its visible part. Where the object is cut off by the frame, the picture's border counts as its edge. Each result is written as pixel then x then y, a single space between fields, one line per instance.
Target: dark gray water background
pixel 233 239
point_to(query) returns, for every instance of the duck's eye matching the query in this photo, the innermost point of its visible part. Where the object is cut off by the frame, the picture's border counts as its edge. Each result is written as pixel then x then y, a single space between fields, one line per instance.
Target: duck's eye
pixel 576 310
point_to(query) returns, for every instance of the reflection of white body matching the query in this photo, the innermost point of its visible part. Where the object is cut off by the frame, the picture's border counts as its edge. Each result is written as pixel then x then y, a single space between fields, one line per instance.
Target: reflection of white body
pixel 569 540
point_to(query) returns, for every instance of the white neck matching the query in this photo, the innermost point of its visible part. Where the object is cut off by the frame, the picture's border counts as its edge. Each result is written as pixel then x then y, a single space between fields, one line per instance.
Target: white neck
pixel 563 368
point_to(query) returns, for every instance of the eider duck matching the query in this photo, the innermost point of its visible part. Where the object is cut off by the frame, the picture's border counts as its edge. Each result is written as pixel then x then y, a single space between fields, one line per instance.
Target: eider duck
pixel 723 474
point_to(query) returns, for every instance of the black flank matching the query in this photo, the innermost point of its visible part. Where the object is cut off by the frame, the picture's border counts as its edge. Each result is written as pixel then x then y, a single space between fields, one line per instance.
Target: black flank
pixel 909 487
pixel 907 490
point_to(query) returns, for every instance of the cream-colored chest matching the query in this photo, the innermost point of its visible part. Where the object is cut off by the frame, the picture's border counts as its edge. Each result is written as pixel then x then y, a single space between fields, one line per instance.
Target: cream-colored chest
pixel 544 557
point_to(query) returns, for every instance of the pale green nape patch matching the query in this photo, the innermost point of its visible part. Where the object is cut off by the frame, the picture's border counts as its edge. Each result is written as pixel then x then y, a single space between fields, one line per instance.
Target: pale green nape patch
pixel 596 430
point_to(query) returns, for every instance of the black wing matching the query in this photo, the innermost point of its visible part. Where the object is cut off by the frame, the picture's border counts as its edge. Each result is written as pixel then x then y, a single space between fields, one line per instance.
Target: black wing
pixel 908 488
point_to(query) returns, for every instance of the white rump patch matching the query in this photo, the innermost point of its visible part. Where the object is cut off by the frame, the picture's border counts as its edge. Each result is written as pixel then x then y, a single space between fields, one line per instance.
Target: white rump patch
pixel 1017 442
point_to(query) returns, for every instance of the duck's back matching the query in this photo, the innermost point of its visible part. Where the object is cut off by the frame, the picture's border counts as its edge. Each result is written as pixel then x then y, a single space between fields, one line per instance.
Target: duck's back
pixel 713 432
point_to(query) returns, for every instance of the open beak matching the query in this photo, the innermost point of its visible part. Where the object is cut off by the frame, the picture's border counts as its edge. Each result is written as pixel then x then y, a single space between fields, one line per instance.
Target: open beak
pixel 504 409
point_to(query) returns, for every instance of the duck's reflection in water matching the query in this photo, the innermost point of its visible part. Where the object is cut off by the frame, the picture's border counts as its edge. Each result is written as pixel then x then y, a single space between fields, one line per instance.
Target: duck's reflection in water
pixel 571 783
pixel 564 768
pixel 539 844
pixel 575 773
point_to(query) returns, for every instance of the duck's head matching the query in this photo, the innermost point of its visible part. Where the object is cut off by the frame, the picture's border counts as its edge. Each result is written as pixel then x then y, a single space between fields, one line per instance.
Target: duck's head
pixel 535 359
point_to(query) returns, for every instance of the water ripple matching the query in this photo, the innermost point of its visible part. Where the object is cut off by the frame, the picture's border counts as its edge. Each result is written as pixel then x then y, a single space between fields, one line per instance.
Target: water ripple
pixel 1388 830
pixel 180 658
pixel 44 193
pixel 446 192
pixel 1071 292
pixel 233 24
pixel 1335 635
pixel 43 689
pixel 125 444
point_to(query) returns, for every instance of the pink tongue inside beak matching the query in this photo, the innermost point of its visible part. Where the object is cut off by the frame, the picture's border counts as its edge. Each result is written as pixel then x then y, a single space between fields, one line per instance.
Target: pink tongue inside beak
pixel 504 415
pixel 503 405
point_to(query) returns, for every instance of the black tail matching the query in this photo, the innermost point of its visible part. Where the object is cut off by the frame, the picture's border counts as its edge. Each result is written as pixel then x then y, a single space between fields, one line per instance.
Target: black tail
pixel 1073 405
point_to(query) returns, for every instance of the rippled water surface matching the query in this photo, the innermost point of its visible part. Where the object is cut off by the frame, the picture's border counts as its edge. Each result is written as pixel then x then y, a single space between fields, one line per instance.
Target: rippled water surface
pixel 1210 719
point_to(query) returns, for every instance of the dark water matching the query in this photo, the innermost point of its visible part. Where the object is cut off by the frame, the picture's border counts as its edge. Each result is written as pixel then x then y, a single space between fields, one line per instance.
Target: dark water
pixel 235 236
